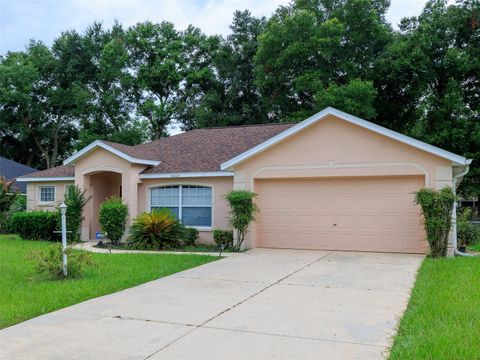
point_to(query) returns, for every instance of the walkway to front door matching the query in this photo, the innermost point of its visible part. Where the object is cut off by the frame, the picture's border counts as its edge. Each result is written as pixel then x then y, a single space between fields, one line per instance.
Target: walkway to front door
pixel 263 304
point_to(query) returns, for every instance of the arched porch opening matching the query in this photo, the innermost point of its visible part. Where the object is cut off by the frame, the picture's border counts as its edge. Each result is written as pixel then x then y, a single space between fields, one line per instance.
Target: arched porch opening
pixel 102 185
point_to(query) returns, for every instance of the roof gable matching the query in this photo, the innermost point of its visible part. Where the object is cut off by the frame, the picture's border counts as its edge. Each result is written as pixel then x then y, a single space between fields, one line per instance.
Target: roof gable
pixel 457 160
pixel 129 153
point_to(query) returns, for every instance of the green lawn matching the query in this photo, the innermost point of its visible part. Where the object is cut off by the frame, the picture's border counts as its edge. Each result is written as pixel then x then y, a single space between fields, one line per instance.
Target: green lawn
pixel 475 247
pixel 24 295
pixel 442 320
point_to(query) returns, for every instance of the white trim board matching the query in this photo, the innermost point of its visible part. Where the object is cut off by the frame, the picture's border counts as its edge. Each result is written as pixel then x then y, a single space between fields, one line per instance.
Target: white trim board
pixel 186 175
pixel 98 143
pixel 457 160
pixel 43 179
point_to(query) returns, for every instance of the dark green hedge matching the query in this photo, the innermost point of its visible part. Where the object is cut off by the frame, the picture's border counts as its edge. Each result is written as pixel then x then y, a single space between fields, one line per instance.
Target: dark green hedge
pixel 35 225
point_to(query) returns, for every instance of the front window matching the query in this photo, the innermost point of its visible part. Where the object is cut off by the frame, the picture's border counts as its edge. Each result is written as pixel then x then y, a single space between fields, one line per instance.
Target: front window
pixel 47 194
pixel 191 204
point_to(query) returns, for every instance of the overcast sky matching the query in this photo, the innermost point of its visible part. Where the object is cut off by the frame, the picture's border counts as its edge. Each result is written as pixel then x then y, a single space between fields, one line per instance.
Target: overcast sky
pixel 21 20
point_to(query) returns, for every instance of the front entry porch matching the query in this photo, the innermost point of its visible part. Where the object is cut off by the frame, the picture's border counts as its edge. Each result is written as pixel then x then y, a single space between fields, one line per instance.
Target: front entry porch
pixel 100 185
pixel 103 185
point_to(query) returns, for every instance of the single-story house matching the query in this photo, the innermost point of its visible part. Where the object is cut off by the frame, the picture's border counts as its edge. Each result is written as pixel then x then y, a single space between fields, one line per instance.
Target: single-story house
pixel 332 181
pixel 10 170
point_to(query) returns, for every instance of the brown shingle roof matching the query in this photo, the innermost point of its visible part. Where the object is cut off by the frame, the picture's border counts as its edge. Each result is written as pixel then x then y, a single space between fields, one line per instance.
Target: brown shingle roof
pixel 206 149
pixel 59 171
pixel 198 150
pixel 134 151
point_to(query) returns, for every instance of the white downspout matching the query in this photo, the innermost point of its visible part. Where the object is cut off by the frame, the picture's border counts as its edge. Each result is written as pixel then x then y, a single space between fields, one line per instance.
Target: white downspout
pixel 454 212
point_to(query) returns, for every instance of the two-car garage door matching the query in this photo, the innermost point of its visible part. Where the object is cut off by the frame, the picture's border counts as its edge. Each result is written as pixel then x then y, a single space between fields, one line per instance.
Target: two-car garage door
pixel 360 214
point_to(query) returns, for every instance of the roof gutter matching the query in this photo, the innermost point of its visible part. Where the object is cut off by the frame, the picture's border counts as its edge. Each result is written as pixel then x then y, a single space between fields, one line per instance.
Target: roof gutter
pixel 40 179
pixel 186 175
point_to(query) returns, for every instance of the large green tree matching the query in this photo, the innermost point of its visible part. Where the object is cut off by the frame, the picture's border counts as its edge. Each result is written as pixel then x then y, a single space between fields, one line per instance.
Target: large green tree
pixel 429 81
pixel 38 103
pixel 220 88
pixel 318 50
pixel 200 100
pixel 157 60
pixel 111 114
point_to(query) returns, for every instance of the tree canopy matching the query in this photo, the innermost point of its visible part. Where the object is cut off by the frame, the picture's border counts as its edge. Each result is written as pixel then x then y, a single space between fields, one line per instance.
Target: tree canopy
pixel 132 84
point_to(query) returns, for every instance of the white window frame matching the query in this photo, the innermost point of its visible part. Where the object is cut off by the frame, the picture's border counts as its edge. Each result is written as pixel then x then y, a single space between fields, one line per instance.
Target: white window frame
pixel 40 201
pixel 180 205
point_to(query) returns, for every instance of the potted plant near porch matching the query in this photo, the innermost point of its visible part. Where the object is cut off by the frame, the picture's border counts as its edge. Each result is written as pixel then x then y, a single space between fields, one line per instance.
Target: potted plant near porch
pixel 467 233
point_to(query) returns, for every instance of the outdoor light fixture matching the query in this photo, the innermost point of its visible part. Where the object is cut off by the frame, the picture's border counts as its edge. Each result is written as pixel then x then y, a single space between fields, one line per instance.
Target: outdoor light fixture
pixel 63 211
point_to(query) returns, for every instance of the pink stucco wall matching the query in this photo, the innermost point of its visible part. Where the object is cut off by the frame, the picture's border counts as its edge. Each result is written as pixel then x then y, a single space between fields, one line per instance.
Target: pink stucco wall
pixel 33 195
pixel 89 169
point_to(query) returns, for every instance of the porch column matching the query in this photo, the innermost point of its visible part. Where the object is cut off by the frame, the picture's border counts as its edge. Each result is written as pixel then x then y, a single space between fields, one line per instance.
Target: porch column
pixel 83 182
pixel 129 196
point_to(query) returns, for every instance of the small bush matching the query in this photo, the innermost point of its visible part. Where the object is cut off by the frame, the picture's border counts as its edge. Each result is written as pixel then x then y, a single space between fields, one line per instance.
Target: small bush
pixel 159 229
pixel 437 209
pixel 34 225
pixel 467 233
pixel 190 236
pixel 75 200
pixel 49 261
pixel 242 213
pixel 223 237
pixel 8 196
pixel 112 218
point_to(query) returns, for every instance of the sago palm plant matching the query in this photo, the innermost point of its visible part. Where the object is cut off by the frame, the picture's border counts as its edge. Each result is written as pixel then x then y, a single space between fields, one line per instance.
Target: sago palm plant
pixel 159 229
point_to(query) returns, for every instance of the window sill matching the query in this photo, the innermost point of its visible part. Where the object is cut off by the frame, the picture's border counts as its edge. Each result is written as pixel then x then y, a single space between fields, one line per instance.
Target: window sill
pixel 201 228
pixel 46 204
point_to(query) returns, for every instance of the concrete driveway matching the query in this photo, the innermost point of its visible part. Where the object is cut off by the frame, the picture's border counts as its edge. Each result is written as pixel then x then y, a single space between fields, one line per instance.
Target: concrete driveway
pixel 263 304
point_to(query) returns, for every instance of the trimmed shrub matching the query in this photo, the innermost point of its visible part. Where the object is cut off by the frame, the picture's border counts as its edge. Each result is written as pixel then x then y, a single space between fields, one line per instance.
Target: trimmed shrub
pixel 189 236
pixel 242 213
pixel 223 237
pixel 49 261
pixel 159 229
pixel 112 218
pixel 467 232
pixel 437 209
pixel 75 200
pixel 34 225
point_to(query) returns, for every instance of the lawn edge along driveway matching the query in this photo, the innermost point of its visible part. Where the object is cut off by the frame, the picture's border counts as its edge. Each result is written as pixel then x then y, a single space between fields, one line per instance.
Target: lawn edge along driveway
pixel 442 320
pixel 25 295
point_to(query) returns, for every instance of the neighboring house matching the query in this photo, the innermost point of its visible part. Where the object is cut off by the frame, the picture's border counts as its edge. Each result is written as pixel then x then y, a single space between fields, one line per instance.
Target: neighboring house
pixel 332 181
pixel 10 170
